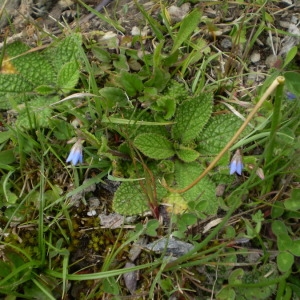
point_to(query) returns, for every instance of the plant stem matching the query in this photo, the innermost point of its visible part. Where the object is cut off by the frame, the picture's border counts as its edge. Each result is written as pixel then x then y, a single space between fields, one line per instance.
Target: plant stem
pixel 270 146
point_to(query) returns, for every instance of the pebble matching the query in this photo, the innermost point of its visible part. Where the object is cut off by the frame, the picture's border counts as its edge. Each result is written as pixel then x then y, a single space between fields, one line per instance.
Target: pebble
pixel 178 13
pixel 226 43
pixel 255 57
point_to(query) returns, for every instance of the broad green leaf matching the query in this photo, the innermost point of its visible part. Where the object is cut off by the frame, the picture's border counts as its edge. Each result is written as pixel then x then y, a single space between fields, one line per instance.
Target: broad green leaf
pixel 219 130
pixel 277 210
pixel 285 261
pixel 292 80
pixel 5 135
pixel 171 59
pixel 278 228
pixel 284 242
pixel 159 79
pixel 120 62
pixel 113 97
pixel 154 145
pixel 295 248
pixel 151 227
pixel 110 286
pixel 11 197
pixel 188 25
pixel 129 199
pixel 23 71
pixel 188 219
pixel 131 83
pixel 226 293
pixel 166 166
pixel 64 51
pixel 7 157
pixel 236 276
pixel 165 105
pixel 101 54
pixel 176 204
pixel 14 83
pixel 293 203
pixel 290 56
pixel 191 116
pixel 5 269
pixel 186 154
pixel 31 66
pixel 68 76
pixel 203 192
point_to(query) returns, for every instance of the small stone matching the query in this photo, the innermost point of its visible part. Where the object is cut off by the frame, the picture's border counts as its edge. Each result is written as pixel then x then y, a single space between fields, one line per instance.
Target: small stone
pixel 178 13
pixel 255 57
pixel 130 278
pixel 171 246
pixel 273 61
pixel 220 190
pixel 112 221
pixel 226 43
pixel 91 213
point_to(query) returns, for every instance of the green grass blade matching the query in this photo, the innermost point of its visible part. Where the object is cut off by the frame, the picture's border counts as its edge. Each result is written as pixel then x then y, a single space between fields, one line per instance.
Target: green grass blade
pixel 188 25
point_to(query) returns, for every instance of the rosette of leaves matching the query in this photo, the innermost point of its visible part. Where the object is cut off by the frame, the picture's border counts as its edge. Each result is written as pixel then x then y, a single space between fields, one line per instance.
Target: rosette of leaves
pixel 190 119
pixel 29 73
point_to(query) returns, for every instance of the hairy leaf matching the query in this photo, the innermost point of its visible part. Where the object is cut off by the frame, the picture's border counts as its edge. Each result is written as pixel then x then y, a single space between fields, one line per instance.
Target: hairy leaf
pixel 131 83
pixel 68 76
pixel 191 117
pixel 202 192
pixel 217 133
pixel 129 199
pixel 154 145
pixel 186 154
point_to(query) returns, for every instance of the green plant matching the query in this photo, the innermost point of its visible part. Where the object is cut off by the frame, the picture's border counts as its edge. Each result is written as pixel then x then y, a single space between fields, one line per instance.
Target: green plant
pixel 30 78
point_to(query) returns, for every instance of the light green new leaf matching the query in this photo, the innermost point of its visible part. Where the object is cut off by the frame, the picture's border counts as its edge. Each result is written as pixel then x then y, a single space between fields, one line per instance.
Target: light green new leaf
pixel 293 203
pixel 186 154
pixel 154 145
pixel 285 261
pixel 191 117
pixel 188 25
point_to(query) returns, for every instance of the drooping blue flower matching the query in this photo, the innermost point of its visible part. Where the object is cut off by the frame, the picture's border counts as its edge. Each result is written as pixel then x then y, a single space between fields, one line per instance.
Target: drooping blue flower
pixel 75 155
pixel 236 164
pixel 291 96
